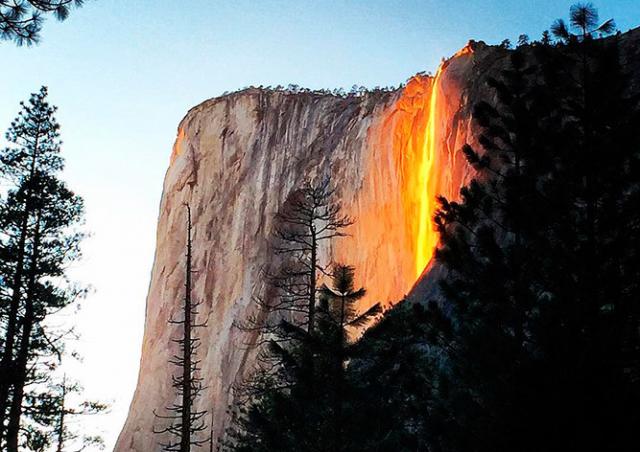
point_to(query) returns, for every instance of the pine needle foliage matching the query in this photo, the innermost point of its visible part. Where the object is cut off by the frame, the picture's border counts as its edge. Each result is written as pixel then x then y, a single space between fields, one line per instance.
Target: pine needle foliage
pixel 533 342
pixel 21 20
pixel 40 219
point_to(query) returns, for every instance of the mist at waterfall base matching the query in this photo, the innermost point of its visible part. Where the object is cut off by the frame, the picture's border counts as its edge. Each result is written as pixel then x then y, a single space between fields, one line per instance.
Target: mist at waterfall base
pixel 124 73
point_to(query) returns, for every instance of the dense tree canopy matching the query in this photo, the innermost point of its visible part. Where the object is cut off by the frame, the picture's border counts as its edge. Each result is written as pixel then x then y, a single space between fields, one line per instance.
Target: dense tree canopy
pixel 534 341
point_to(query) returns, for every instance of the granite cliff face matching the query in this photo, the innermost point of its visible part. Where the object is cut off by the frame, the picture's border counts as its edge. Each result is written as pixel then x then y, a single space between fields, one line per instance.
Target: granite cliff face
pixel 235 161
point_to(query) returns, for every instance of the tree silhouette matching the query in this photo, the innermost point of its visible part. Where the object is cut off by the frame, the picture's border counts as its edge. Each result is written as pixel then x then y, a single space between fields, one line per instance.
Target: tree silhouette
pixel 65 413
pixel 186 421
pixel 339 319
pixel 297 362
pixel 583 18
pixel 309 217
pixel 305 405
pixel 533 342
pixel 391 379
pixel 38 217
pixel 531 261
pixel 21 20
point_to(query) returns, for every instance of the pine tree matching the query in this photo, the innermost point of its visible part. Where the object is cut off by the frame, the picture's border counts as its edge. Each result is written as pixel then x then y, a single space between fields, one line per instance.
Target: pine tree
pixel 339 319
pixel 523 40
pixel 39 217
pixel 489 243
pixel 286 313
pixel 596 241
pixel 536 266
pixel 21 20
pixel 584 20
pixel 390 377
pixel 63 435
pixel 187 423
pixel 304 407
pixel 295 352
pixel 310 216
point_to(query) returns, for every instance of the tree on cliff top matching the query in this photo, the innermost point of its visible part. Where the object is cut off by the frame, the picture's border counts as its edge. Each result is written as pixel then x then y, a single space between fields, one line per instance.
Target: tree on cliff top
pixel 21 20
pixel 186 422
pixel 583 18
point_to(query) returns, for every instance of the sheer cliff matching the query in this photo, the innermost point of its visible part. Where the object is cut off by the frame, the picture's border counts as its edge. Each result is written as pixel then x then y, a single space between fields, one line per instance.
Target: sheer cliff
pixel 235 161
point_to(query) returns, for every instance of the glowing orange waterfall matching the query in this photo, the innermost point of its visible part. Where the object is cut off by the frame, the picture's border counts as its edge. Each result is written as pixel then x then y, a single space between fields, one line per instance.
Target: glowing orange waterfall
pixel 427 239
pixel 416 135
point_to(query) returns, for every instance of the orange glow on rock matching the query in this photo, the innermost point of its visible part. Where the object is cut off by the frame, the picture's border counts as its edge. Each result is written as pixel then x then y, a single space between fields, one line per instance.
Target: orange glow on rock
pixel 177 146
pixel 392 239
pixel 392 177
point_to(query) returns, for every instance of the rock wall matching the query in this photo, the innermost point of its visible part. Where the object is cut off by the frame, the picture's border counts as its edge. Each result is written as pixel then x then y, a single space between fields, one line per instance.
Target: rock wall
pixel 235 161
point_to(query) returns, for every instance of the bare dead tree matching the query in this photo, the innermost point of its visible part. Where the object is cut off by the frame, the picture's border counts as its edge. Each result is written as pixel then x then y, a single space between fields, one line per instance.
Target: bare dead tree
pixel 310 216
pixel 287 306
pixel 186 422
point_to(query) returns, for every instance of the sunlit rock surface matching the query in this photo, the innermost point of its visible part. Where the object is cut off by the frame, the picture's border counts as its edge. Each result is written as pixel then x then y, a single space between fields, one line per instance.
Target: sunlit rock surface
pixel 235 161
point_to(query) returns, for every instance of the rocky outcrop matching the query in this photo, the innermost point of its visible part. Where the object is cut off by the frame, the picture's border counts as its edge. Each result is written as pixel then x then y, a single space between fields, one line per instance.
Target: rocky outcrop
pixel 235 161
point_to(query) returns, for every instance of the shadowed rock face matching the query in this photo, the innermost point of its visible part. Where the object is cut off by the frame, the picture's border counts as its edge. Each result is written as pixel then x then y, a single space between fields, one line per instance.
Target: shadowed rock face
pixel 236 160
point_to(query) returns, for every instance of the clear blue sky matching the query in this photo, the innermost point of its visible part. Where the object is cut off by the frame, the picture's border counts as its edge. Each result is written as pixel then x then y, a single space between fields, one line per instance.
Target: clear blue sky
pixel 124 72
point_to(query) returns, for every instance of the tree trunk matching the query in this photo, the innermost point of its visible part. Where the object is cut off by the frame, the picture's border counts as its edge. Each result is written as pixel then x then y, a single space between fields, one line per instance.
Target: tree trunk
pixel 339 377
pixel 7 372
pixel 15 412
pixel 185 440
pixel 312 279
pixel 62 413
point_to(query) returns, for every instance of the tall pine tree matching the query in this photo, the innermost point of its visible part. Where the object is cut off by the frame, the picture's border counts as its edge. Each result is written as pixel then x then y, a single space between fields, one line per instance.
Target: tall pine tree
pixel 39 217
